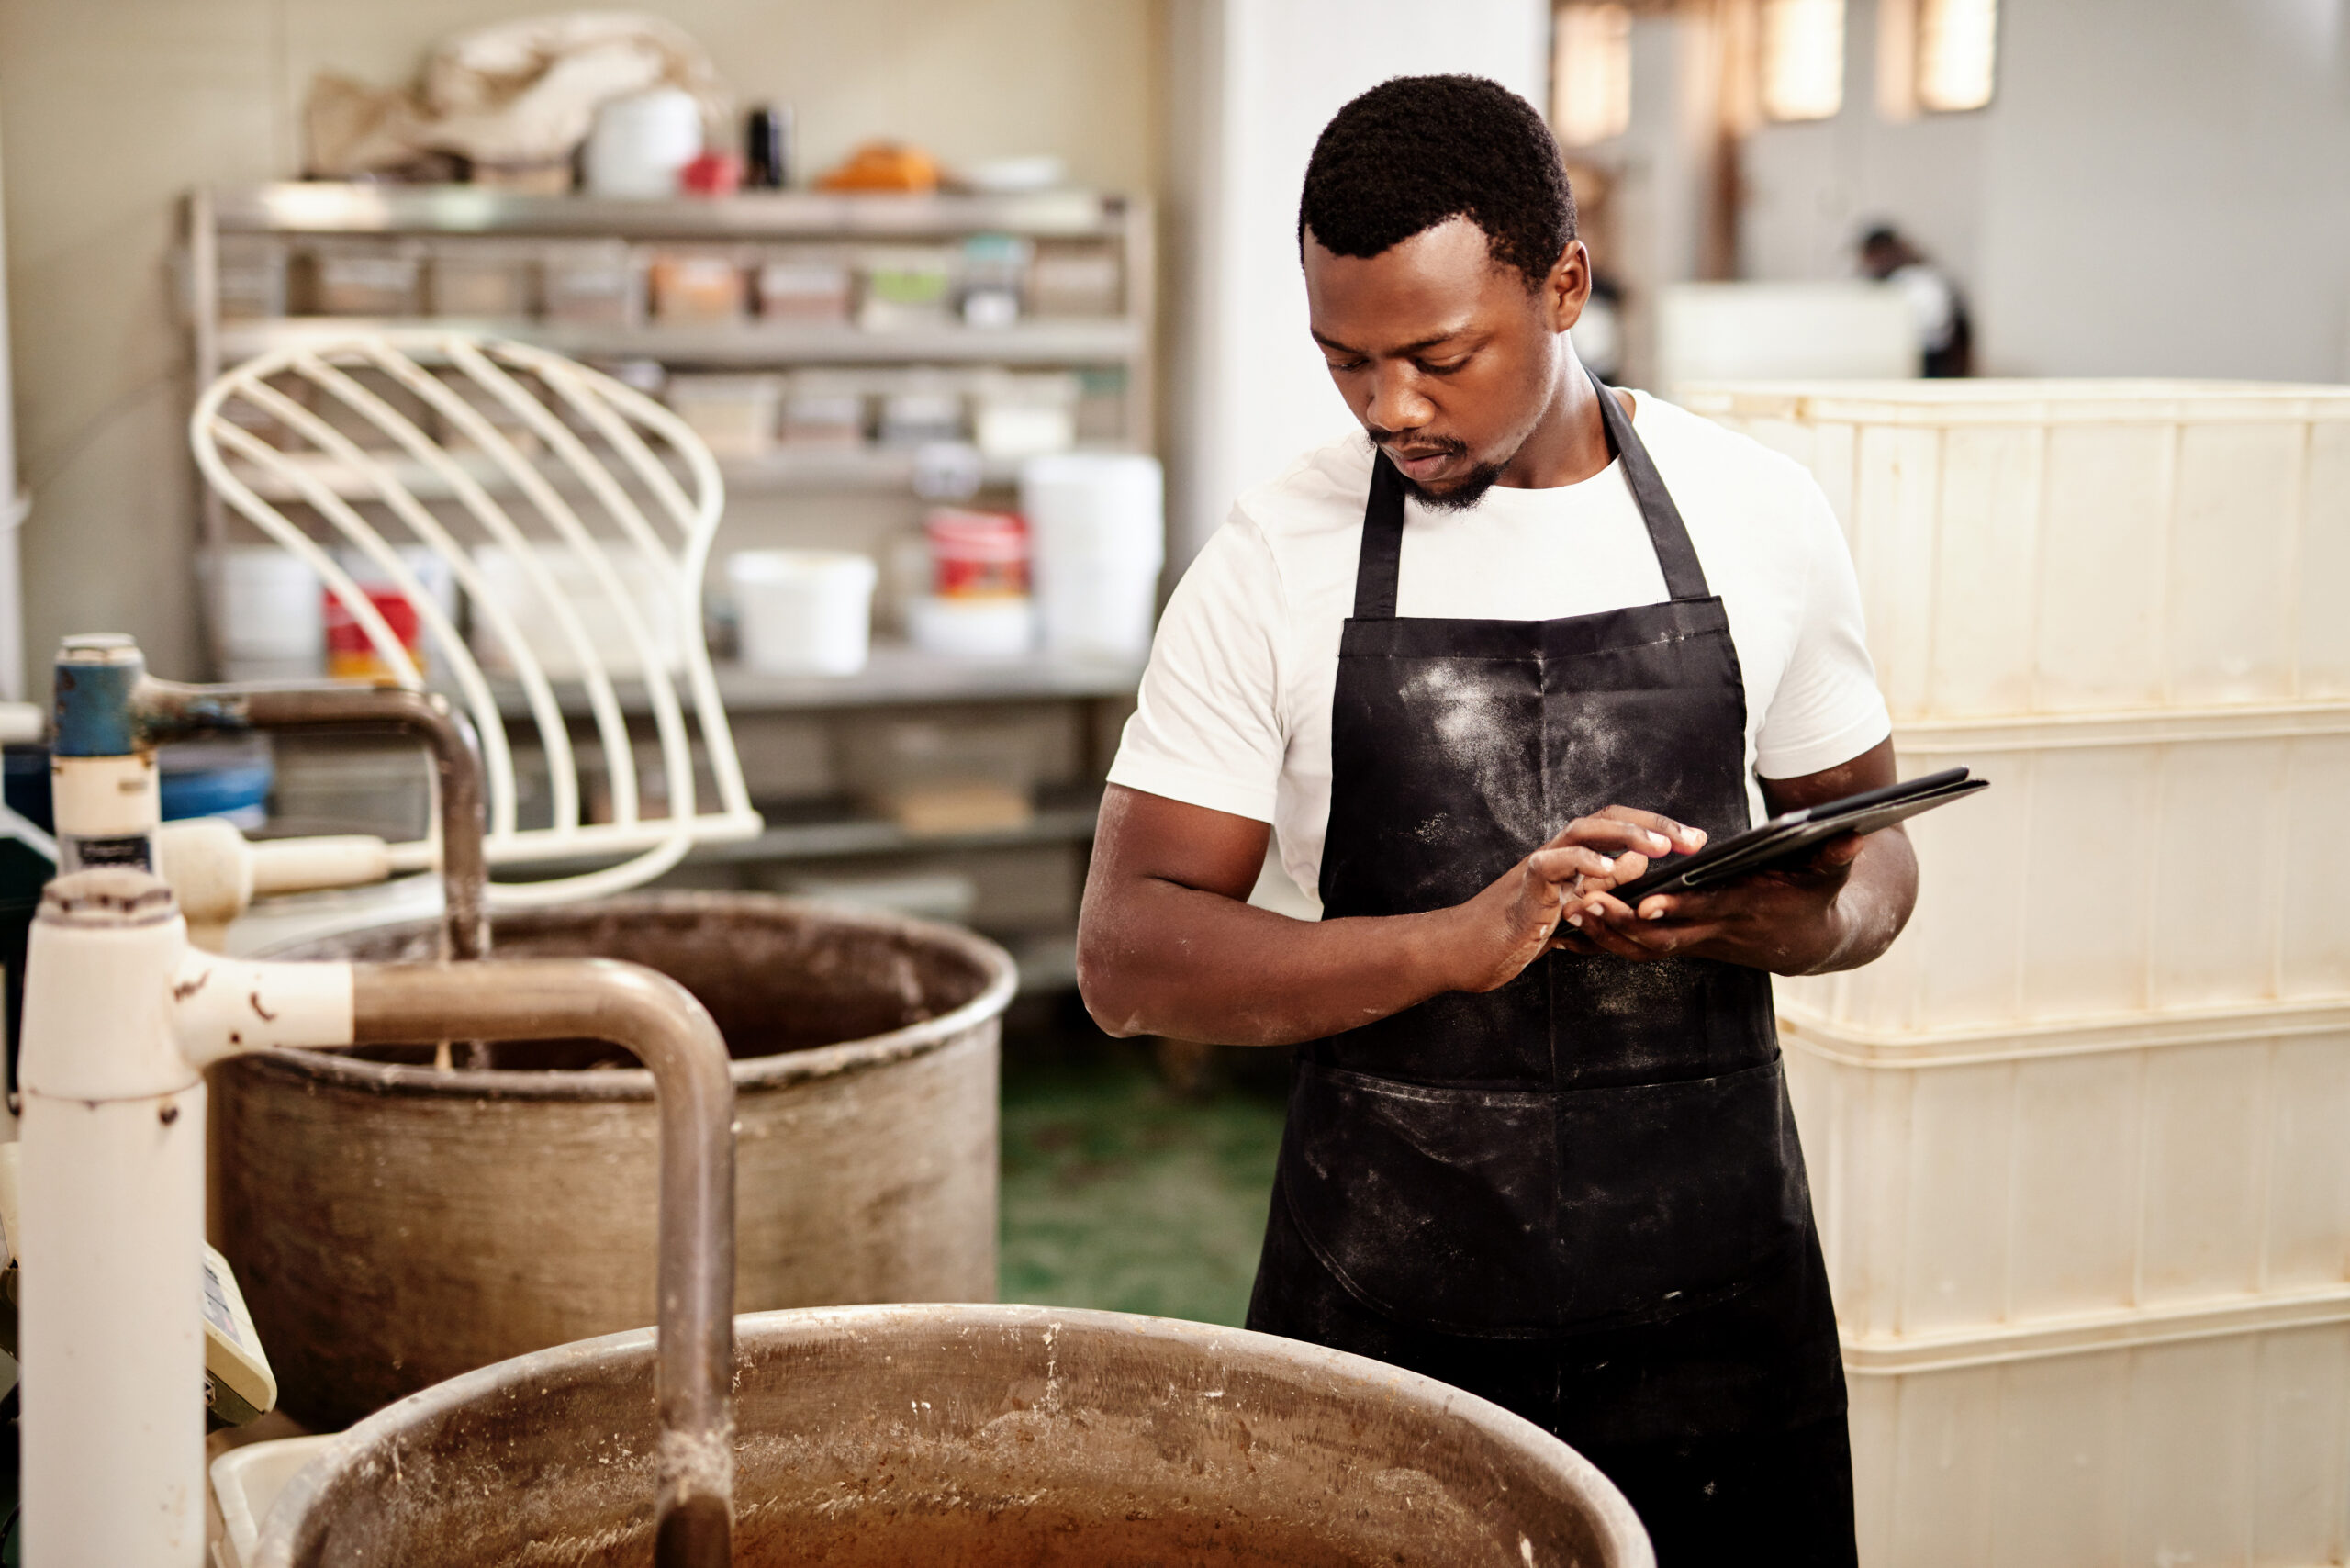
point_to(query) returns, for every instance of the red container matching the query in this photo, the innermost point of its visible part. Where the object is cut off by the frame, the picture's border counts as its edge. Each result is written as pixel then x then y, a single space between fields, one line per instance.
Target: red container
pixel 349 655
pixel 977 555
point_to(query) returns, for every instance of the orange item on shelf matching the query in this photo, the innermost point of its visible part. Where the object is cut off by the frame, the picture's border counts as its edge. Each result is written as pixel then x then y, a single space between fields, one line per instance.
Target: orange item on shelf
pixel 884 166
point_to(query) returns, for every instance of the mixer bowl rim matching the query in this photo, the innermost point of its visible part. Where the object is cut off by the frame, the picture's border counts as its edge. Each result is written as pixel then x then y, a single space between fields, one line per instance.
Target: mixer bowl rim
pixel 774 1071
pixel 1614 1519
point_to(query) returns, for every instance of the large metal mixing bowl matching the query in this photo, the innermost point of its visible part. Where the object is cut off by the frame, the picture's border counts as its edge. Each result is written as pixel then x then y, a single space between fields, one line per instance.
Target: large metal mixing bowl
pixel 394 1225
pixel 969 1436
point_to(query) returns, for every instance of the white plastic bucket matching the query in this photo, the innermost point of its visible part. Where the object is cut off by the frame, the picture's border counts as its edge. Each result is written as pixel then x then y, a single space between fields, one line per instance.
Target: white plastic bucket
pixel 640 143
pixel 1097 530
pixel 802 612
pixel 270 614
pixel 1098 606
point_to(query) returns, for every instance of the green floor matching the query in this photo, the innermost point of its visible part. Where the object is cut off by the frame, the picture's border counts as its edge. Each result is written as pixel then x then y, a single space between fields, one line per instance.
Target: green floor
pixel 1120 1194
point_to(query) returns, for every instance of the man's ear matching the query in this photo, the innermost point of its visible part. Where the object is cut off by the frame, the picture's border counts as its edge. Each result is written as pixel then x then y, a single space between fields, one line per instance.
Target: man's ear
pixel 1568 288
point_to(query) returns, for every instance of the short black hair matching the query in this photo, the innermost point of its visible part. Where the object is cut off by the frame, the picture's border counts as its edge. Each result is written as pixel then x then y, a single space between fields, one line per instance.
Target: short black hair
pixel 1417 151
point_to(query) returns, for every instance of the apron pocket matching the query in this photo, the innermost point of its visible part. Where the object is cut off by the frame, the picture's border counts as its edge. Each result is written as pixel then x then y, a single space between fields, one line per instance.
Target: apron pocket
pixel 1525 1213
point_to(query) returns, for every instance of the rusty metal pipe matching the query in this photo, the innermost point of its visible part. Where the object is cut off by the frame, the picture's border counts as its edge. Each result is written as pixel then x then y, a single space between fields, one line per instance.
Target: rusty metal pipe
pixel 658 1019
pixel 172 707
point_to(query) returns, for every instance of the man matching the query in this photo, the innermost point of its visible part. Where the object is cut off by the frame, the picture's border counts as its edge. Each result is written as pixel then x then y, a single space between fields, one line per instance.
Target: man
pixel 1945 336
pixel 1477 670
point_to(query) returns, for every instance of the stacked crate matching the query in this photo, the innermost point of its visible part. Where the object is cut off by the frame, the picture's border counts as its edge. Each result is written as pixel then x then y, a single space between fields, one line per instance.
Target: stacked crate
pixel 2080 1143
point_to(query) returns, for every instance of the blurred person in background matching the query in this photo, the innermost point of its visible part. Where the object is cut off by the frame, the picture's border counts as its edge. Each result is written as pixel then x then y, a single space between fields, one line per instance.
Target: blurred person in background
pixel 1945 337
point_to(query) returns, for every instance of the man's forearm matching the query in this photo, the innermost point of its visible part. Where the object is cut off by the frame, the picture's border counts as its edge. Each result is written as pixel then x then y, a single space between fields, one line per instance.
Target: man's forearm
pixel 1871 908
pixel 1174 961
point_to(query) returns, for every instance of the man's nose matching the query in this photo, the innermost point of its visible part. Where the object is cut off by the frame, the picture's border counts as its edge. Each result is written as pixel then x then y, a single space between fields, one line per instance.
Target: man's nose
pixel 1395 402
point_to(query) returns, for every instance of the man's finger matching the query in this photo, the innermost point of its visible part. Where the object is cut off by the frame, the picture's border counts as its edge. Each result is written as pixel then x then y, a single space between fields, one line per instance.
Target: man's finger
pixel 1564 864
pixel 1612 835
pixel 1687 840
pixel 1841 850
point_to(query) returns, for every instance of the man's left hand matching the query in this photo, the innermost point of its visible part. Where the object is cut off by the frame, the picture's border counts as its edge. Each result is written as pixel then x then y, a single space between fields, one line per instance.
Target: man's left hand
pixel 1838 910
pixel 1783 921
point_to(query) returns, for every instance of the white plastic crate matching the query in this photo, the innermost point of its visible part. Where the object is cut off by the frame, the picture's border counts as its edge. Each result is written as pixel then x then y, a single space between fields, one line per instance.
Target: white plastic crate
pixel 2081 547
pixel 2116 866
pixel 2070 1183
pixel 2192 1443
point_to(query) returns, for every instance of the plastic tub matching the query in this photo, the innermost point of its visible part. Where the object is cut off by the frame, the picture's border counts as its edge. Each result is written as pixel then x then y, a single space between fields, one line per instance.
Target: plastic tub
pixel 998 627
pixel 647 581
pixel 971 1435
pixel 802 612
pixel 735 415
pixel 2067 1178
pixel 365 277
pixel 2066 546
pixel 592 283
pixel 269 614
pixel 2118 866
pixel 2190 1442
pixel 975 555
pixel 1097 520
pixel 485 279
pixel 393 1225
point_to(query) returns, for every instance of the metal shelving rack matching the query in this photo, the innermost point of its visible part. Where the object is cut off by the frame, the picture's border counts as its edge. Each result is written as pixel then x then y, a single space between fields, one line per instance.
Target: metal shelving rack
pixel 299 208
pixel 898 676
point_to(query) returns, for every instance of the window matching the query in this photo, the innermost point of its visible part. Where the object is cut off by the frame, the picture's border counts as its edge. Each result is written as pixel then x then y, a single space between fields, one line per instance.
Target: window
pixel 1957 48
pixel 1803 59
pixel 1938 55
pixel 1591 72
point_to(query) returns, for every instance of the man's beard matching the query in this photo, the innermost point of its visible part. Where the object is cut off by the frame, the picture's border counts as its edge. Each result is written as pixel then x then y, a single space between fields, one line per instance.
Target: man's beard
pixel 1463 495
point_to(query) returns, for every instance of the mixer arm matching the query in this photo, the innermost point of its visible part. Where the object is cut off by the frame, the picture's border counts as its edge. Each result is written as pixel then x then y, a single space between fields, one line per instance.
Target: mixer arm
pixel 660 1022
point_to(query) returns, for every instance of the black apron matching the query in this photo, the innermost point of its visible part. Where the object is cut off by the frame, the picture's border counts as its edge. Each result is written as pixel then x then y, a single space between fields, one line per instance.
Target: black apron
pixel 1598 1159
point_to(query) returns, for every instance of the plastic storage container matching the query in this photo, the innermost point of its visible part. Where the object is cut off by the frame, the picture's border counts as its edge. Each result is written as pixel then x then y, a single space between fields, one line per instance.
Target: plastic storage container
pixel 2118 866
pixel 692 288
pixel 485 279
pixel 2187 1443
pixel 735 415
pixel 365 277
pixel 268 614
pixel 802 612
pixel 592 283
pixel 2073 1182
pixel 1096 523
pixel 823 410
pixel 650 583
pixel 1016 416
pixel 2070 546
pixel 250 277
pixel 804 286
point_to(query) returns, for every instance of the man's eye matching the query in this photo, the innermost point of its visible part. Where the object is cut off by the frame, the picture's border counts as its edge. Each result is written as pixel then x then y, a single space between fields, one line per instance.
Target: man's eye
pixel 1443 367
pixel 1345 364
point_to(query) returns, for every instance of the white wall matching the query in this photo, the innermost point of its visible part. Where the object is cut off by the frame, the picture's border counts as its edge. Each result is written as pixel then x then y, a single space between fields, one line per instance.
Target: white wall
pixel 1253 83
pixel 114 109
pixel 2158 188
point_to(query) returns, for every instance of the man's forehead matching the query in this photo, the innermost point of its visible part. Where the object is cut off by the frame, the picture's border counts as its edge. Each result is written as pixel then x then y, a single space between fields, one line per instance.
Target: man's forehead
pixel 1417 292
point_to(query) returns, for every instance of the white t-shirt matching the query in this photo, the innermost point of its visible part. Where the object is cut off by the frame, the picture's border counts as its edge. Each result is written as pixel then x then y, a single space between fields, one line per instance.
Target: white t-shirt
pixel 1234 711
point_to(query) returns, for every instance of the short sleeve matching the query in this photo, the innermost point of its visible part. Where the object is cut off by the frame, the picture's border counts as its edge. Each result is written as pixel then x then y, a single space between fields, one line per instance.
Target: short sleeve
pixel 1827 709
pixel 1207 729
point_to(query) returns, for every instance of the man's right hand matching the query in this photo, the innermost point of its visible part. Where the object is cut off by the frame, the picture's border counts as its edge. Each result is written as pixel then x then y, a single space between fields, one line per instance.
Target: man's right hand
pixel 1515 920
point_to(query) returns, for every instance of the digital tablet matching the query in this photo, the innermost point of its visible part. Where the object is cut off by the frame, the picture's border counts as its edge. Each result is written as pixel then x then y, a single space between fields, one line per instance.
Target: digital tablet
pixel 1791 837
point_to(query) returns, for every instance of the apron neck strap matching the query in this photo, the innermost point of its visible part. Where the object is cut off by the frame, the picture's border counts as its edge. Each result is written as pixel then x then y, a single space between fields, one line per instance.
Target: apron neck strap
pixel 1380 561
pixel 1668 535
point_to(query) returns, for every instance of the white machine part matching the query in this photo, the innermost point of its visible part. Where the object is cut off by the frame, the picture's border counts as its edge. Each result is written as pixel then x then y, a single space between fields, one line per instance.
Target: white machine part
pixel 215 874
pixel 112 1193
